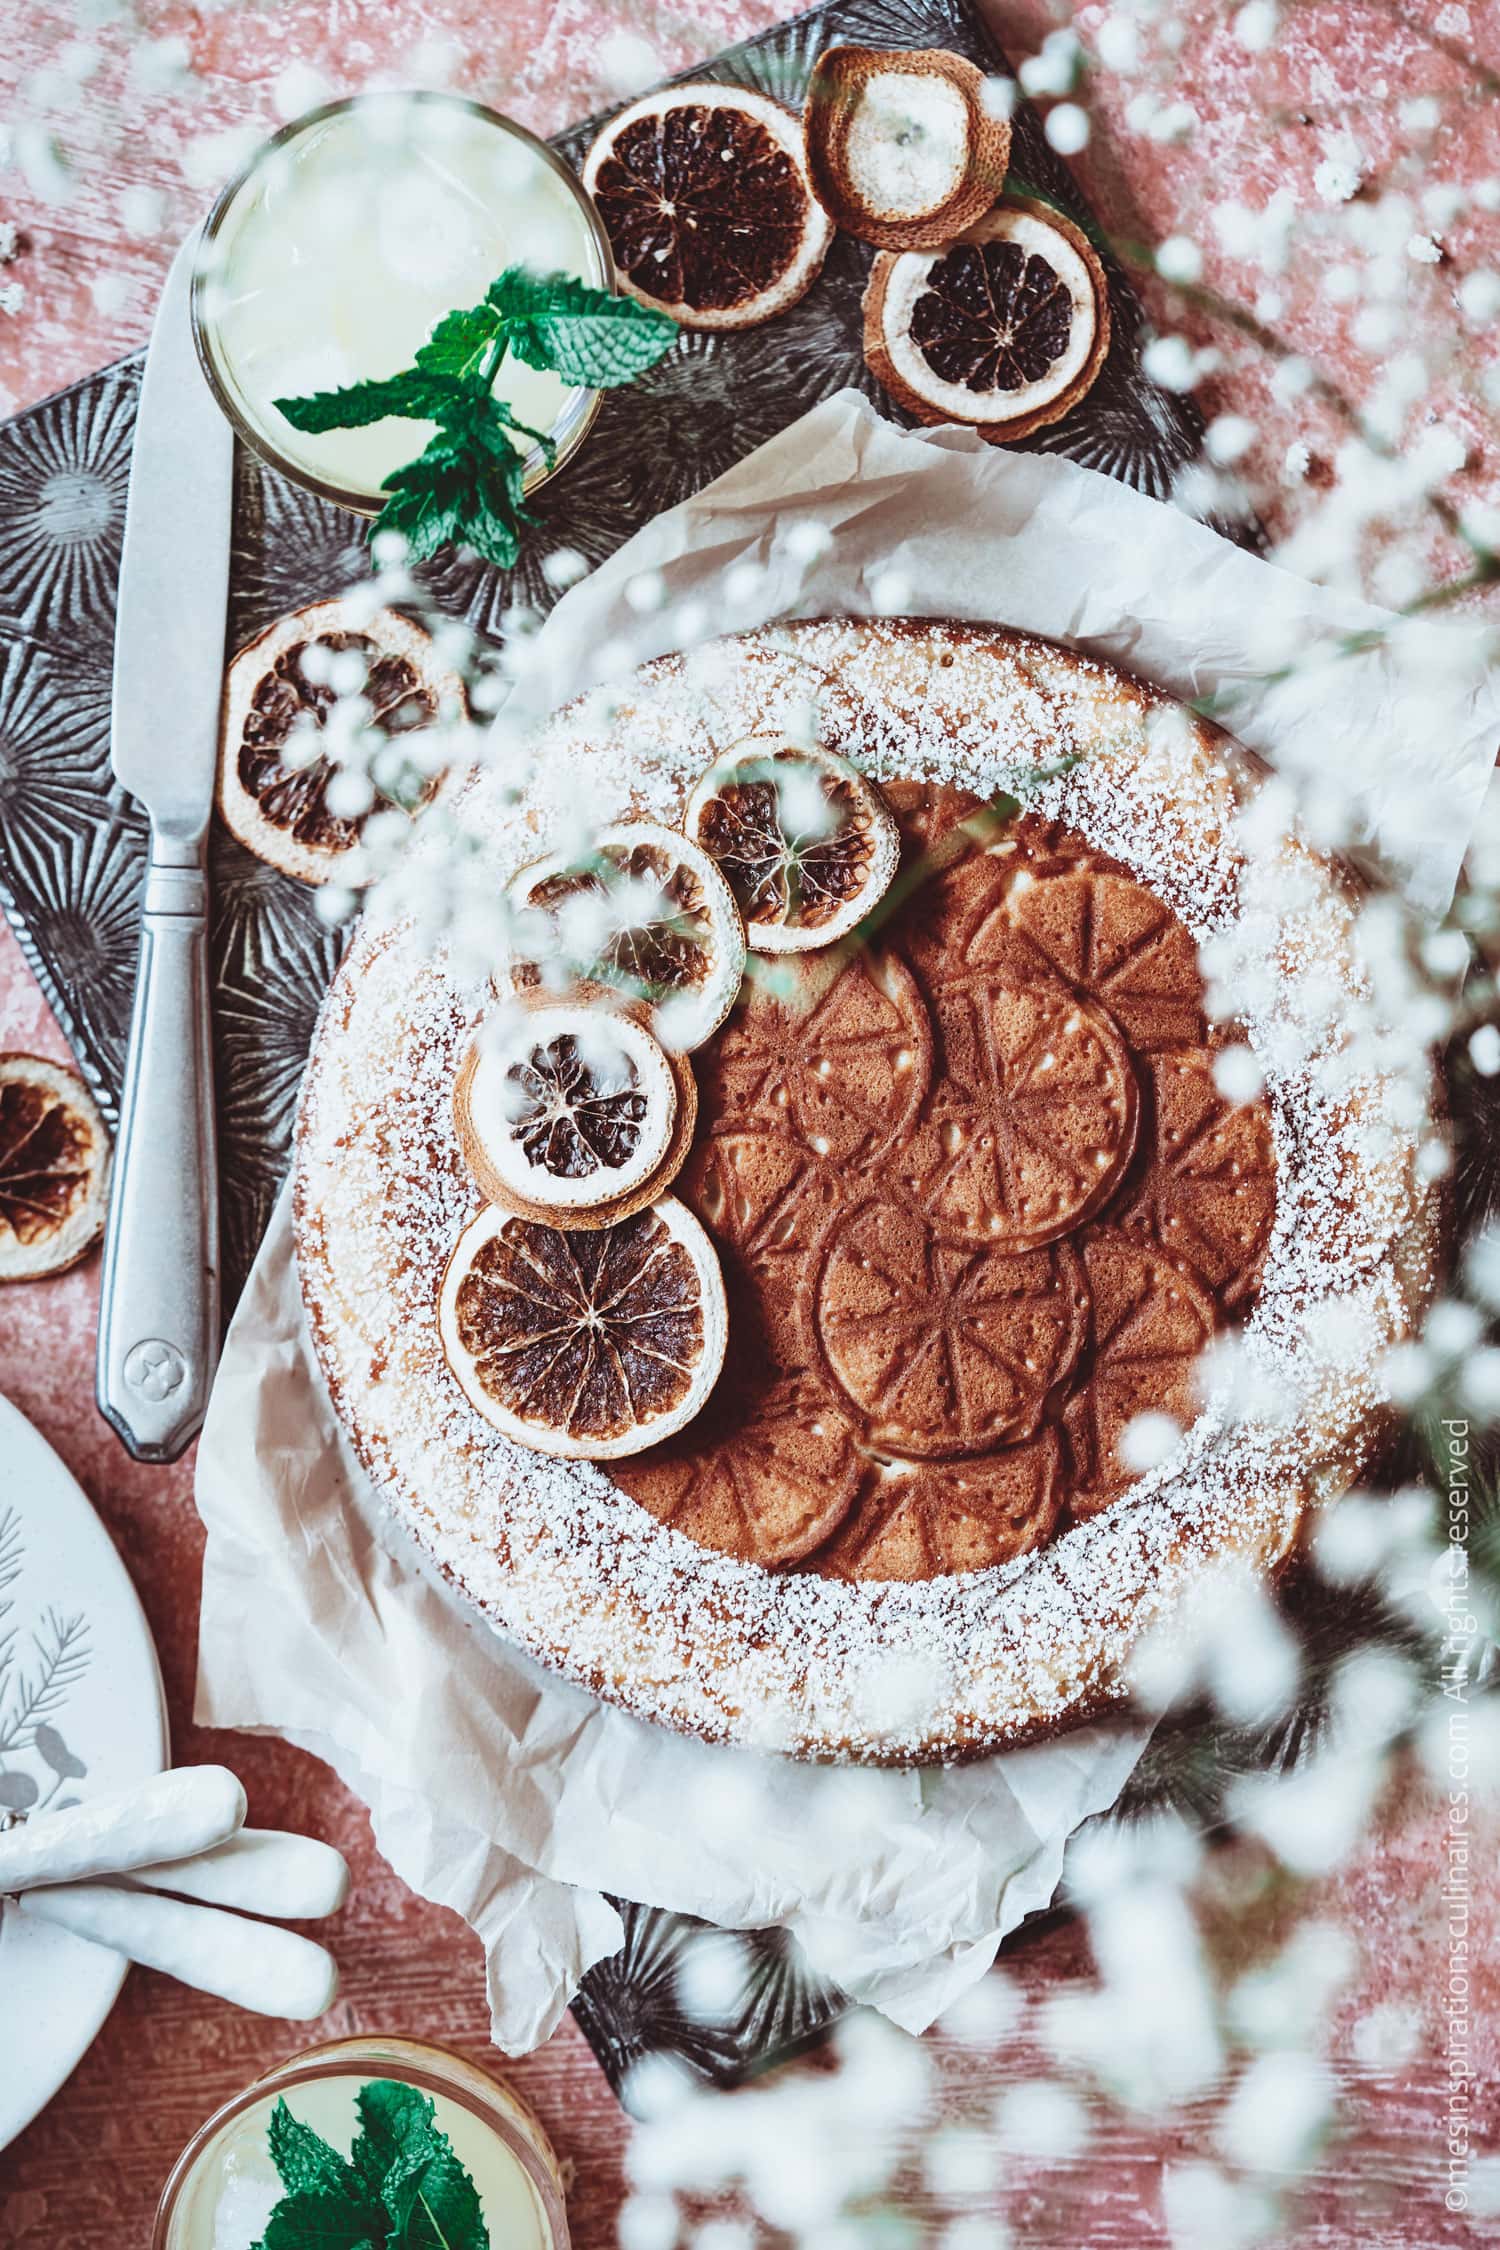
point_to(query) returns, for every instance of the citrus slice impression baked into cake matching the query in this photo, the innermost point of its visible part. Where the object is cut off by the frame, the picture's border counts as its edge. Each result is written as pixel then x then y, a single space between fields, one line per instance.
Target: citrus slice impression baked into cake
pixel 1008 1288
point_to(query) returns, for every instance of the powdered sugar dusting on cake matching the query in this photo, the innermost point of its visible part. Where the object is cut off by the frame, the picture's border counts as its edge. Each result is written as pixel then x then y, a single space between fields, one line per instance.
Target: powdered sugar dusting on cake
pixel 554 1552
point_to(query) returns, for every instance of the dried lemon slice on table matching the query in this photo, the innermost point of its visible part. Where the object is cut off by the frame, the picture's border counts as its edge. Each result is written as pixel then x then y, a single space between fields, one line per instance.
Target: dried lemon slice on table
pixel 54 1168
pixel 586 1344
pixel 279 791
pixel 807 844
pixel 646 911
pixel 570 1111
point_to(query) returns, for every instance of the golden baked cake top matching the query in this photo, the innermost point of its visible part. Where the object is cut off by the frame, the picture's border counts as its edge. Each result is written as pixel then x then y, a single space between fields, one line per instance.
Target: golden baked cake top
pixel 926 1552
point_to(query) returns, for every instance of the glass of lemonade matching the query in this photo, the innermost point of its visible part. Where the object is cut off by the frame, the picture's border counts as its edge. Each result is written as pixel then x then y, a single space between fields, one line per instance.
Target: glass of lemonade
pixel 344 241
pixel 223 2187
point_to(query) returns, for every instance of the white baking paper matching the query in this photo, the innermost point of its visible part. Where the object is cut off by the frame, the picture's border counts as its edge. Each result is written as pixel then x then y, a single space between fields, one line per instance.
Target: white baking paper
pixel 510 1795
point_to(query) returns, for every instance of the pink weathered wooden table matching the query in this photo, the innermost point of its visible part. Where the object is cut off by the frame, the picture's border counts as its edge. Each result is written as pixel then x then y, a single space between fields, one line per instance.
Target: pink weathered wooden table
pixel 88 2171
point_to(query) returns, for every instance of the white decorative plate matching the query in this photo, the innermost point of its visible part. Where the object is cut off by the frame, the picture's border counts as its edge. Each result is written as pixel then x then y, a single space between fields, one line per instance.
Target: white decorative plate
pixel 81 1709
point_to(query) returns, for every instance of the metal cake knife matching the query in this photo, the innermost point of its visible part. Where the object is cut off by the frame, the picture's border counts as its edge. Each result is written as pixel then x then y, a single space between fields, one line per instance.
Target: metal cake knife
pixel 159 1312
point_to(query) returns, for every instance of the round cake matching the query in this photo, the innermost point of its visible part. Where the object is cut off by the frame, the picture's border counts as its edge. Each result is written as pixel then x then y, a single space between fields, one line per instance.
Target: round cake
pixel 1065 1209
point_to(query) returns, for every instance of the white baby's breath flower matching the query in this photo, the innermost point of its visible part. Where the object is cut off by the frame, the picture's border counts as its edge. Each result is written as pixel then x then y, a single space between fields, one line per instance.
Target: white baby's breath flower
pixel 890 592
pixel 1067 128
pixel 1040 2119
pixel 648 2222
pixel 1147 1440
pixel 1255 25
pixel 298 88
pixel 1422 113
pixel 807 540
pixel 1179 259
pixel 1171 362
pixel 987 2013
pixel 1202 2204
pixel 1479 296
pixel 1117 42
pixel 1056 68
pixel 628 63
pixel 1228 438
pixel 1278 2114
pixel 1336 181
pixel 997 97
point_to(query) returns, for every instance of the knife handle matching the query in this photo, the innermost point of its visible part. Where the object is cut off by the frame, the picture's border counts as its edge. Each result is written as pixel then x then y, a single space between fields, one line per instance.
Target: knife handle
pixel 159 1306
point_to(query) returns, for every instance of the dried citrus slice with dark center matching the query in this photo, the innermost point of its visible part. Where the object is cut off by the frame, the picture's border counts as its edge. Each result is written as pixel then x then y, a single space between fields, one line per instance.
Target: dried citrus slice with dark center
pixel 1005 327
pixel 1149 1321
pixel 565 1107
pixel 1038 1118
pixel 940 1349
pixel 54 1168
pixel 280 790
pixel 929 1519
pixel 646 911
pixel 704 194
pixel 765 1480
pixel 585 1344
pixel 807 843
pixel 840 1063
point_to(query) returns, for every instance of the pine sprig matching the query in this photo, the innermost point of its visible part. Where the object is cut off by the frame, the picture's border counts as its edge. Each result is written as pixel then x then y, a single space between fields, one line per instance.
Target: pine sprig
pixel 466 487
pixel 401 2187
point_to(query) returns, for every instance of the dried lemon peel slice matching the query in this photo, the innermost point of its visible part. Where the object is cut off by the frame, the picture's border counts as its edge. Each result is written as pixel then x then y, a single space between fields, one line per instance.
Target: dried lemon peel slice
pixel 564 1106
pixel 646 911
pixel 54 1168
pixel 587 1345
pixel 704 194
pixel 1006 327
pixel 333 713
pixel 905 147
pixel 807 843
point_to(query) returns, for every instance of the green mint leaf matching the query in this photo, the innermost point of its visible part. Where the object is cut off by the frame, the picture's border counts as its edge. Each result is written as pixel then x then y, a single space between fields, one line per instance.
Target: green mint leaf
pixel 598 351
pixel 586 335
pixel 460 343
pixel 304 2160
pixel 392 2116
pixel 415 395
pixel 484 421
pixel 313 2221
pixel 429 499
pixel 521 292
pixel 434 2205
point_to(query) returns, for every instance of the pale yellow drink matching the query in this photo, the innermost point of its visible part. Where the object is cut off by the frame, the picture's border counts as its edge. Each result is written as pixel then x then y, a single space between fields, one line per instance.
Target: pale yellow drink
pixel 351 235
pixel 227 2186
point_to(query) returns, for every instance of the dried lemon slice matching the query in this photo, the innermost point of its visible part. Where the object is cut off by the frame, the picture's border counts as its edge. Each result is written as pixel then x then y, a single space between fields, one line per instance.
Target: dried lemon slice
pixel 563 1107
pixel 646 911
pixel 585 1344
pixel 704 194
pixel 54 1168
pixel 1006 327
pixel 807 843
pixel 279 792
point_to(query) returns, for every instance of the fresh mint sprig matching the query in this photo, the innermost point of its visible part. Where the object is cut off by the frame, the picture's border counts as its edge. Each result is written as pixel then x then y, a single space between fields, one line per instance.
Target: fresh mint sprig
pixel 401 2187
pixel 466 488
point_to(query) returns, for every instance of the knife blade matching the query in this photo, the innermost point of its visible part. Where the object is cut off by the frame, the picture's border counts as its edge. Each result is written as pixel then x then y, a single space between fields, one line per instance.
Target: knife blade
pixel 159 1309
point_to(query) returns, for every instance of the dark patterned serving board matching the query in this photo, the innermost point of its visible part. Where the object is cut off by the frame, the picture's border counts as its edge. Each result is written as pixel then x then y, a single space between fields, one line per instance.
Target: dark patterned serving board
pixel 72 845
